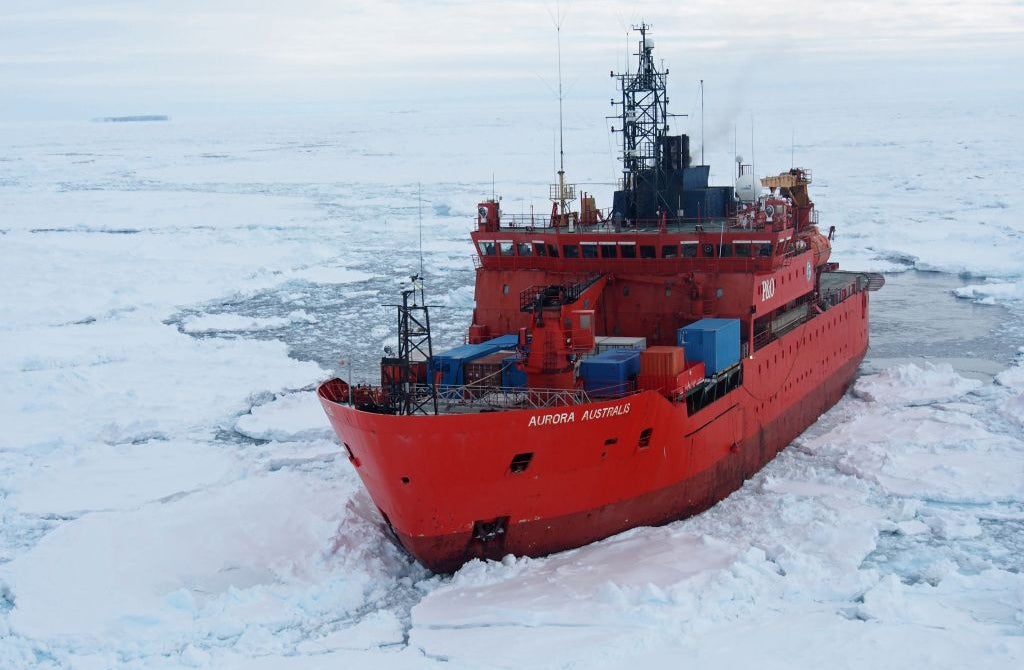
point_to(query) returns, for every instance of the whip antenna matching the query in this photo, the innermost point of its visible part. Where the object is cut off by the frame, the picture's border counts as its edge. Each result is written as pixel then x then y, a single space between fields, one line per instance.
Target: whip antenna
pixel 702 122
pixel 561 126
pixel 419 209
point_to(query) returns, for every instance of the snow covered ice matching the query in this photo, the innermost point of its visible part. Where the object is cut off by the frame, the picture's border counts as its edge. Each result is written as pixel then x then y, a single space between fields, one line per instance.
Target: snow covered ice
pixel 172 495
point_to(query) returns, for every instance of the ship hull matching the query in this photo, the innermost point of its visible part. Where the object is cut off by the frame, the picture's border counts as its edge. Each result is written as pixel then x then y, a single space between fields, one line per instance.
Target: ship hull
pixel 450 488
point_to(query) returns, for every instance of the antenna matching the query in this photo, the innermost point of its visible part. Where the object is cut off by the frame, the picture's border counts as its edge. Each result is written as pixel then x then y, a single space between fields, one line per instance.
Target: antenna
pixel 627 53
pixel 561 192
pixel 752 162
pixel 419 207
pixel 554 153
pixel 702 122
pixel 561 129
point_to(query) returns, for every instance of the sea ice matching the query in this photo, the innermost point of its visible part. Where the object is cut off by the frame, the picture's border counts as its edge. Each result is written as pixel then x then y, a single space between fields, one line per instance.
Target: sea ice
pixel 288 418
pixel 210 323
pixel 169 498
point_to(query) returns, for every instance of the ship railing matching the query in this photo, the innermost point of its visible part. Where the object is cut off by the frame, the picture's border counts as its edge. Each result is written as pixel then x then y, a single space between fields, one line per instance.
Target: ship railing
pixel 833 296
pixel 541 221
pixel 548 295
pixel 475 398
pixel 837 286
pixel 669 265
pixel 606 223
pixel 763 338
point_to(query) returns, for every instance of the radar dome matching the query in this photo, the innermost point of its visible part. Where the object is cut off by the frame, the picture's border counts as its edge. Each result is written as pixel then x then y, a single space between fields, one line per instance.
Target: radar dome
pixel 746 187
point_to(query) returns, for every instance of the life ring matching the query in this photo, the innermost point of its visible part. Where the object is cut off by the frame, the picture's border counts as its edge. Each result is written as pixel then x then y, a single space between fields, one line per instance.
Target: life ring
pixel 482 212
pixel 769 210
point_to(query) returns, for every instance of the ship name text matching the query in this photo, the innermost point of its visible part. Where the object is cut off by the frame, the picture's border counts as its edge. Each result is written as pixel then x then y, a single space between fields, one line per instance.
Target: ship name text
pixel 570 417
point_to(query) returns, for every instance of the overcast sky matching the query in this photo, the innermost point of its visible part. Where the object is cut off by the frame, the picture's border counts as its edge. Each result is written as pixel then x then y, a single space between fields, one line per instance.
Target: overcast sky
pixel 66 58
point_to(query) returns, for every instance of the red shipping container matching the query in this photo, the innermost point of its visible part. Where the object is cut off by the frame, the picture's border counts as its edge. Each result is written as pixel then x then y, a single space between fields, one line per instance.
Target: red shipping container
pixel 690 377
pixel 391 371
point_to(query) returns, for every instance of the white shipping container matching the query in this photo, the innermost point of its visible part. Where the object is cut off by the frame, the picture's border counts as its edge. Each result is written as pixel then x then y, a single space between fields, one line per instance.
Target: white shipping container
pixel 605 342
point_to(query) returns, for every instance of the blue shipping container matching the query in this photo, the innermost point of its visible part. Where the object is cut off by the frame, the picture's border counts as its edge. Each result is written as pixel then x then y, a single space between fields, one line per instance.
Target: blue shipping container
pixel 715 342
pixel 615 364
pixel 512 377
pixel 449 363
pixel 628 357
pixel 609 373
pixel 510 341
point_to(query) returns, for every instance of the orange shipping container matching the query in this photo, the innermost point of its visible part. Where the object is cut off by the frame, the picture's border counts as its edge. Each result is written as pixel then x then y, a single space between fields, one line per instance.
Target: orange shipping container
pixel 662 361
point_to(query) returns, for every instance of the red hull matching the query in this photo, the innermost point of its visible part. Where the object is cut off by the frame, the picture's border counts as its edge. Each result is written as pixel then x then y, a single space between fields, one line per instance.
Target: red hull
pixel 439 479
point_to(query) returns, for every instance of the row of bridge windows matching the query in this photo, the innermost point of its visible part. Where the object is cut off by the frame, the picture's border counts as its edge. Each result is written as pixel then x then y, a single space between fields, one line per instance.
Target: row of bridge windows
pixel 619 250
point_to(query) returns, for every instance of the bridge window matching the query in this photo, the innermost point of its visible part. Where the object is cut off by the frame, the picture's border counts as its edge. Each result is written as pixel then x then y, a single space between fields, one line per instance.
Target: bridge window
pixel 571 251
pixel 505 248
pixel 628 250
pixel 540 249
pixel 607 251
pixel 765 250
pixel 725 251
pixel 524 249
pixel 742 249
pixel 589 250
pixel 487 248
pixel 669 251
pixel 552 251
pixel 647 251
pixel 689 249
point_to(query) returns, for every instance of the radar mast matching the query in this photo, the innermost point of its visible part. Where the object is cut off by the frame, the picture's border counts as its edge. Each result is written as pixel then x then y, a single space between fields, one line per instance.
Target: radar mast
pixel 647 149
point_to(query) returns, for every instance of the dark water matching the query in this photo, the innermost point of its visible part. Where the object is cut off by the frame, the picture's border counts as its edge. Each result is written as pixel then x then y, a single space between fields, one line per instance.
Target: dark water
pixel 352 322
pixel 916 317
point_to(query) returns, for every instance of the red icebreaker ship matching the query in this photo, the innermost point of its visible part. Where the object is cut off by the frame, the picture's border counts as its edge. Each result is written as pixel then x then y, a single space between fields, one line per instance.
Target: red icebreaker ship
pixel 625 367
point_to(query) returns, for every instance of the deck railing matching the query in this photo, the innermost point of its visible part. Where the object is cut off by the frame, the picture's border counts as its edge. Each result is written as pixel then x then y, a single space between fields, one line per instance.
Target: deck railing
pixel 460 398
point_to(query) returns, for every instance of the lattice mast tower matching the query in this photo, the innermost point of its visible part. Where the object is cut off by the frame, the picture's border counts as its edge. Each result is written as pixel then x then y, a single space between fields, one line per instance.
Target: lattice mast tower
pixel 644 117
